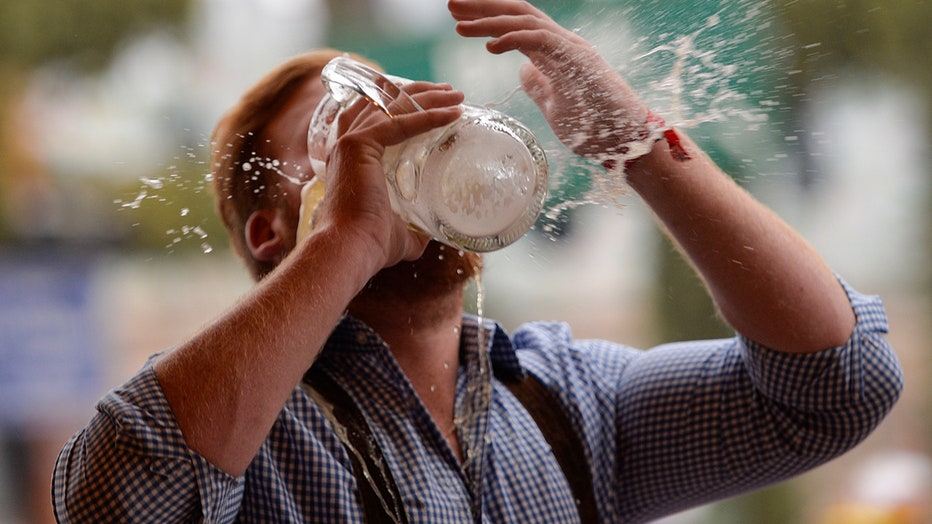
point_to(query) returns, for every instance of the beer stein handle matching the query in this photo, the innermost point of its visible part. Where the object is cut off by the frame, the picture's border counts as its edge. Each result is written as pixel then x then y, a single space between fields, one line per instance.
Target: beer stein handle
pixel 345 78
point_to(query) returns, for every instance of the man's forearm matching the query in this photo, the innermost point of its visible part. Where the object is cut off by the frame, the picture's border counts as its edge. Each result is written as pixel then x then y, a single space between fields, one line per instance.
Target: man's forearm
pixel 227 385
pixel 767 281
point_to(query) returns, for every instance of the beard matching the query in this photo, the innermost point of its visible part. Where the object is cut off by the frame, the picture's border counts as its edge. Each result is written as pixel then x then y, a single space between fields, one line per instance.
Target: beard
pixel 440 271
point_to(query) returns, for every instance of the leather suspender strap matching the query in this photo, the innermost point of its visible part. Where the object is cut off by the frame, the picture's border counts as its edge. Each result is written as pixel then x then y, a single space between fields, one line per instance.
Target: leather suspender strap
pixel 380 498
pixel 547 411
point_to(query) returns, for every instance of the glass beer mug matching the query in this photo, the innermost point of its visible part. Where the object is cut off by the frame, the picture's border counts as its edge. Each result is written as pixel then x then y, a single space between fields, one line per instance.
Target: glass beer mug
pixel 477 184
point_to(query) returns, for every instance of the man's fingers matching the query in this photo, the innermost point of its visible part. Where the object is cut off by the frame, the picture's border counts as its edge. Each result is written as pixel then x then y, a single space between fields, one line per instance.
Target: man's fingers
pixel 375 127
pixel 439 104
pixel 396 130
pixel 424 96
pixel 475 9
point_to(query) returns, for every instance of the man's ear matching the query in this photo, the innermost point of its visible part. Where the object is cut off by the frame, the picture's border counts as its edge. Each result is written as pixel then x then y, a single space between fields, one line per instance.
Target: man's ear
pixel 265 235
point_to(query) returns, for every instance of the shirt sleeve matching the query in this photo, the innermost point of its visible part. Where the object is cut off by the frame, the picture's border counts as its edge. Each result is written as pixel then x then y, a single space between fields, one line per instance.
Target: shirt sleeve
pixel 702 421
pixel 131 464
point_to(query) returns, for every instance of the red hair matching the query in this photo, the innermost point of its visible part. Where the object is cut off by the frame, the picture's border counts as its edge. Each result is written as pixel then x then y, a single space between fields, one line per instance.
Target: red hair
pixel 238 136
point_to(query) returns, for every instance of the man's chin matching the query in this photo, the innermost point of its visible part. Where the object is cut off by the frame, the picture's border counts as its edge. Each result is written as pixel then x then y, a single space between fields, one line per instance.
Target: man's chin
pixel 441 270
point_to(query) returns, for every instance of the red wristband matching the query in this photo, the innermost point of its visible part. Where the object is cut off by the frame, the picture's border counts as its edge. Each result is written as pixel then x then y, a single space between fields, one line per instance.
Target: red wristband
pixel 677 151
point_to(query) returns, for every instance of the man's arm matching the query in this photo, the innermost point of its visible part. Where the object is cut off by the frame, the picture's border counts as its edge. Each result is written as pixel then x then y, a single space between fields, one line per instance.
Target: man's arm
pixel 226 386
pixel 767 281
pixel 174 441
pixel 701 421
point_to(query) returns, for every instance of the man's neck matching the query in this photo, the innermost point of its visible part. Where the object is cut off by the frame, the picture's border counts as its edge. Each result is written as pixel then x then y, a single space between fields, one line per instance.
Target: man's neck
pixel 424 337
pixel 420 333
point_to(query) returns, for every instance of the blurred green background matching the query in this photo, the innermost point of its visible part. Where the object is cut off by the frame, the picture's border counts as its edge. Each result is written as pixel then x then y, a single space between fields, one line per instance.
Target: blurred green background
pixel 110 250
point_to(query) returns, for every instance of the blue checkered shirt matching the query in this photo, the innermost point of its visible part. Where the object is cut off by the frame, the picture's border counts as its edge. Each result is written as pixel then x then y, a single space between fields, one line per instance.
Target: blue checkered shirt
pixel 676 426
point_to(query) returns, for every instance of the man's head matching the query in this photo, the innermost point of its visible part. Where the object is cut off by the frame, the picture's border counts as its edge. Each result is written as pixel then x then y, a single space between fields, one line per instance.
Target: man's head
pixel 247 165
pixel 259 158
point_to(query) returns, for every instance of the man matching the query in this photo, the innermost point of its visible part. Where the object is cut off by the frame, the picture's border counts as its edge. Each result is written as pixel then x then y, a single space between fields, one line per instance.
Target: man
pixel 225 427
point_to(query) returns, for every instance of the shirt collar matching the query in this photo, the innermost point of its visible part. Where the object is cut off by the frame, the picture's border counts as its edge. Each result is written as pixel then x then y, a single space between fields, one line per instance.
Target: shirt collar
pixel 354 336
pixel 502 354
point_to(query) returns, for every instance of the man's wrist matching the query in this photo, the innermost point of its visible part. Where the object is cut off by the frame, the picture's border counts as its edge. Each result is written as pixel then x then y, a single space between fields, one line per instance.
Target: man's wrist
pixel 655 129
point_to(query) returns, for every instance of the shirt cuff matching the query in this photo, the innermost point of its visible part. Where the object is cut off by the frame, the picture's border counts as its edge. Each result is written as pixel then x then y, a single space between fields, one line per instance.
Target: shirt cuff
pixel 146 427
pixel 220 492
pixel 834 376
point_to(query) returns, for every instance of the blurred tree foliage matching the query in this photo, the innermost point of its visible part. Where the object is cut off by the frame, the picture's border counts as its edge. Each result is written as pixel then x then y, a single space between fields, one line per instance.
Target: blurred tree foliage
pixel 878 37
pixel 84 32
pixel 176 216
pixel 868 35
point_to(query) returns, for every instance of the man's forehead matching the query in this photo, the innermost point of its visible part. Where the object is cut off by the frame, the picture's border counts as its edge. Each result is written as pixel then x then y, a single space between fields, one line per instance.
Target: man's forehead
pixel 290 124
